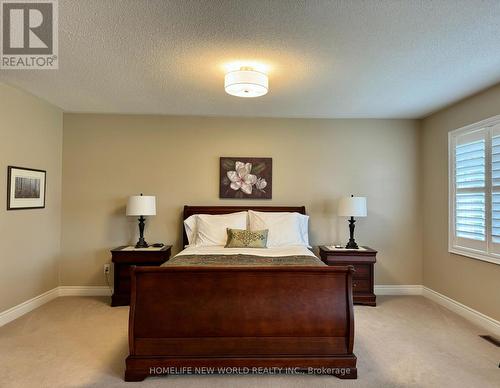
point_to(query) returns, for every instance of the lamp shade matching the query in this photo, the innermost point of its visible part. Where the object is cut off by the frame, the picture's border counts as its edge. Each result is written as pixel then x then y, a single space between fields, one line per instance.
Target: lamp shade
pixel 246 82
pixel 141 205
pixel 352 207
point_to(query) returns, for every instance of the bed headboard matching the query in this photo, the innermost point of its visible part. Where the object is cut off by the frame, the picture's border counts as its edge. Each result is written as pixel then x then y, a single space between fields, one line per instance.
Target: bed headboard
pixel 190 210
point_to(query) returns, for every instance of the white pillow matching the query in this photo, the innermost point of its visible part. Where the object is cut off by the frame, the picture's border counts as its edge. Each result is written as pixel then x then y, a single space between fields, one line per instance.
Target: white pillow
pixel 190 228
pixel 212 229
pixel 285 228
pixel 304 228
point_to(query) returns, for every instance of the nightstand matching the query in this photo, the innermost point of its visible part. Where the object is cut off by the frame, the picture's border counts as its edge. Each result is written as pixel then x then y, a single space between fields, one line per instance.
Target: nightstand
pixel 125 257
pixel 363 261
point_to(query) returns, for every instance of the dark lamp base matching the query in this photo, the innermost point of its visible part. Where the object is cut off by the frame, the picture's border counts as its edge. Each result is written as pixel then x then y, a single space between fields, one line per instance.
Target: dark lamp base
pixel 352 245
pixel 142 244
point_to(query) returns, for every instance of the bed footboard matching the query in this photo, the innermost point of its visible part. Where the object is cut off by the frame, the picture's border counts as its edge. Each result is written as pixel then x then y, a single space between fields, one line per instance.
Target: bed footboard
pixel 241 320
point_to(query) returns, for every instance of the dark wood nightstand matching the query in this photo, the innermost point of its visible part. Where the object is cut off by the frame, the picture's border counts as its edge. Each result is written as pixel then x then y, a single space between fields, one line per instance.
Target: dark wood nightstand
pixel 123 259
pixel 363 261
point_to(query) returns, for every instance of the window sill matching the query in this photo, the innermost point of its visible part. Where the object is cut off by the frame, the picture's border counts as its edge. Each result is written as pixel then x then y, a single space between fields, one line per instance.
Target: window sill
pixel 475 255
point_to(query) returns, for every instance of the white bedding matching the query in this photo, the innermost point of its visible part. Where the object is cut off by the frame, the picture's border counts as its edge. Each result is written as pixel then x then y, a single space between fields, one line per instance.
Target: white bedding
pixel 264 252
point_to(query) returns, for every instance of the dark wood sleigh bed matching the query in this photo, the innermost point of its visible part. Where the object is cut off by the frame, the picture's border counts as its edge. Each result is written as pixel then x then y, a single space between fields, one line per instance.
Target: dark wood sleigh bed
pixel 202 319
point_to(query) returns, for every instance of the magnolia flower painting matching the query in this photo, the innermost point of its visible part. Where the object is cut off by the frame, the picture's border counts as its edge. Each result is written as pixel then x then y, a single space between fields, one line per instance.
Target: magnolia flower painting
pixel 246 178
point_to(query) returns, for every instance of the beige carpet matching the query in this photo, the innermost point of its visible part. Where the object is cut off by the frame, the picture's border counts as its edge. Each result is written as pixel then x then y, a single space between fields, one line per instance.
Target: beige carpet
pixel 404 342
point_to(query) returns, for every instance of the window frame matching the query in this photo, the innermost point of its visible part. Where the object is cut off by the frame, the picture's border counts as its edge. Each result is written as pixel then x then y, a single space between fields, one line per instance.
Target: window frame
pixel 487 254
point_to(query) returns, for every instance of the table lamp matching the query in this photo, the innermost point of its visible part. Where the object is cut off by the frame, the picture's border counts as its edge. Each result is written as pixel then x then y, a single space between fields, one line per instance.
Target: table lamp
pixel 141 205
pixel 352 207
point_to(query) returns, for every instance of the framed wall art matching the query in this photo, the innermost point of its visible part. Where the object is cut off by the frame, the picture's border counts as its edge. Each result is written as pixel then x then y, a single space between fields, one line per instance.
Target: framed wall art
pixel 246 178
pixel 25 188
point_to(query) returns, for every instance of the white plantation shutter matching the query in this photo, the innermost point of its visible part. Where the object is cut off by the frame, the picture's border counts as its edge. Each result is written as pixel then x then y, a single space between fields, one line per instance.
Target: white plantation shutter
pixel 470 189
pixel 470 176
pixel 470 164
pixel 495 218
pixel 495 183
pixel 470 221
pixel 475 190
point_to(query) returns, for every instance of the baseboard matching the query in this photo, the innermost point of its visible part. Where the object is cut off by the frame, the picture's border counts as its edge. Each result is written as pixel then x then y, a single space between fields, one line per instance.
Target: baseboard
pixel 33 303
pixel 412 289
pixel 487 323
pixel 25 307
pixel 84 291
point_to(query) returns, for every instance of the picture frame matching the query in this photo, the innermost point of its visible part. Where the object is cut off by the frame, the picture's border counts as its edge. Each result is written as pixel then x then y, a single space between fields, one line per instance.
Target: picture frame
pixel 246 178
pixel 26 188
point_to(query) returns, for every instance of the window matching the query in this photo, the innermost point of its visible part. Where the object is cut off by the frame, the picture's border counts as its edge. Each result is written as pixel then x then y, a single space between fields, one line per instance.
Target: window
pixel 474 190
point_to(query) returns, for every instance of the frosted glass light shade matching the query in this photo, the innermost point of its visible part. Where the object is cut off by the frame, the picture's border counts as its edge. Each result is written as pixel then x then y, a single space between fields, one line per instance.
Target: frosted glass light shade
pixel 246 83
pixel 141 205
pixel 352 207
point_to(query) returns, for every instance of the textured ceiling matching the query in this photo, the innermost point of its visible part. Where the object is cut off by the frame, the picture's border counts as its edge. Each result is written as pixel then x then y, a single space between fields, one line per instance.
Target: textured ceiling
pixel 378 58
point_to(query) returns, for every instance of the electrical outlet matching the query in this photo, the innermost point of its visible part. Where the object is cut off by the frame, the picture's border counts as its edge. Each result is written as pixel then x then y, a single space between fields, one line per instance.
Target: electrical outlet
pixel 106 268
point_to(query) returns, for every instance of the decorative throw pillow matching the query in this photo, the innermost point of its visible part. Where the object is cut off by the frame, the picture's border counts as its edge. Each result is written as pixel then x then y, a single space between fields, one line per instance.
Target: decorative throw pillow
pixel 241 238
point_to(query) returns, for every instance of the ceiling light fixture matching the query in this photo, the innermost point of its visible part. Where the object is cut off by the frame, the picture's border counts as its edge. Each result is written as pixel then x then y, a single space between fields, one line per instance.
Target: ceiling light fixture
pixel 246 82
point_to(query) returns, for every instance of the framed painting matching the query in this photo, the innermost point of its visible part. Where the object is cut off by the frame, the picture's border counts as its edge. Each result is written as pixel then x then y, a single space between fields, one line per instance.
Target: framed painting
pixel 25 188
pixel 246 178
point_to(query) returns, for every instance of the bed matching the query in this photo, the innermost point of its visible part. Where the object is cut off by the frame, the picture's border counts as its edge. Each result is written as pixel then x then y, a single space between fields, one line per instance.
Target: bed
pixel 276 310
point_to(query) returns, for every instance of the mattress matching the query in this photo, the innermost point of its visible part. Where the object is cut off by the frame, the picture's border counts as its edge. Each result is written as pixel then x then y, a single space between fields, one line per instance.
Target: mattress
pixel 220 256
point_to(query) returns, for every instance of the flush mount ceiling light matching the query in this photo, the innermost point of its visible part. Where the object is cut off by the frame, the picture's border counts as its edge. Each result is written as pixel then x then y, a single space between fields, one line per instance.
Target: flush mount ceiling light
pixel 246 82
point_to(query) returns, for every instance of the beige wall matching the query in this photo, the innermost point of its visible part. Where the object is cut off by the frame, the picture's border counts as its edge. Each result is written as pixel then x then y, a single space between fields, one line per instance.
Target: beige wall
pixel 30 136
pixel 109 157
pixel 472 282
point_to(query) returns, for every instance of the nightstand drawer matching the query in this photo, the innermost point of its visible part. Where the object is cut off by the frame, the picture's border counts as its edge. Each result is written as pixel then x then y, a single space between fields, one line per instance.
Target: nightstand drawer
pixel 361 285
pixel 350 258
pixel 362 271
pixel 337 258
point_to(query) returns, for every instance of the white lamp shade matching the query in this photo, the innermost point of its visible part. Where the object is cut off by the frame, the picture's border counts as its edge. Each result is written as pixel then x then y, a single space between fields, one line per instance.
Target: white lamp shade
pixel 246 83
pixel 352 207
pixel 141 205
